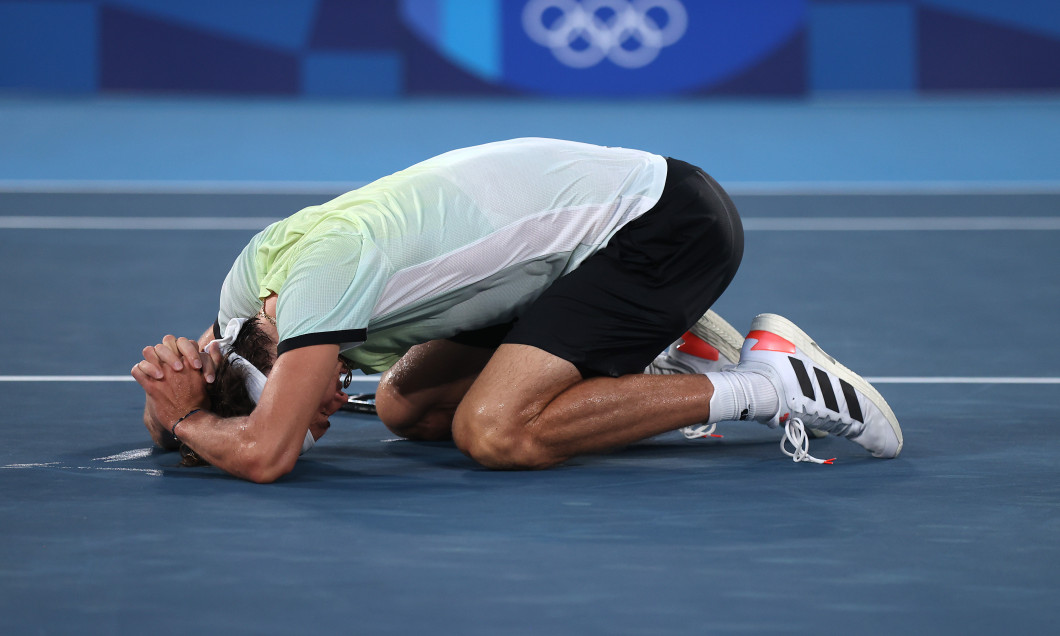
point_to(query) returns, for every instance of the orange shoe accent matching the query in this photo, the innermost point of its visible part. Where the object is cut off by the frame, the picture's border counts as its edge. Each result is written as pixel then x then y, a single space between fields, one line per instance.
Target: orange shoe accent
pixel 695 346
pixel 770 342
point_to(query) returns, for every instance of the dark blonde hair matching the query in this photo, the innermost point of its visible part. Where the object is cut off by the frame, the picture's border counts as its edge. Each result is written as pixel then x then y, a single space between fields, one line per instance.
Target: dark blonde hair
pixel 228 392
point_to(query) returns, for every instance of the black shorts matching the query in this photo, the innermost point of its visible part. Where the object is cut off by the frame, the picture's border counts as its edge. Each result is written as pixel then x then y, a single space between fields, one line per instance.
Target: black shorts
pixel 657 275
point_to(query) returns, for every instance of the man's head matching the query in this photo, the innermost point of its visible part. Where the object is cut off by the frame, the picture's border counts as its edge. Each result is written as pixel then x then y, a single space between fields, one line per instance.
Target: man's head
pixel 230 394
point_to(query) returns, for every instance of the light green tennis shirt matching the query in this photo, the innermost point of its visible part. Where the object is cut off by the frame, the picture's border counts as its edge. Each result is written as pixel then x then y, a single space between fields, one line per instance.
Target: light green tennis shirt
pixel 462 241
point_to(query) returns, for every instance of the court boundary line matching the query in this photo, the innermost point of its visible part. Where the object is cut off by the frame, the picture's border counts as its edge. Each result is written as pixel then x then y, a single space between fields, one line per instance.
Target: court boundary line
pixel 892 188
pixel 901 224
pixel 374 379
pixel 739 188
pixel 178 186
pixel 150 223
pixel 750 224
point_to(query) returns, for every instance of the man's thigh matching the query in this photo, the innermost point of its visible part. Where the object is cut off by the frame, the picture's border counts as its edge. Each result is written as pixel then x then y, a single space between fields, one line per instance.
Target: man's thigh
pixel 510 393
pixel 416 397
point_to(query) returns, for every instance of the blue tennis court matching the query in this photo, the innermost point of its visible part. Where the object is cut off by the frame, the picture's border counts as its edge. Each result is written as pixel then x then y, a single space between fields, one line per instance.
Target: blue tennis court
pixel 936 278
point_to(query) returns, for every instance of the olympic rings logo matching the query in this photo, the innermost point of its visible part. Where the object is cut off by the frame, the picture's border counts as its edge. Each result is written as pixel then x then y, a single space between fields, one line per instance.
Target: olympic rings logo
pixel 582 33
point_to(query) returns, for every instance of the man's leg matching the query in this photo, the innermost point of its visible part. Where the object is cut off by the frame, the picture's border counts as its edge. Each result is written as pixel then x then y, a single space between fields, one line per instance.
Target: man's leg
pixel 419 395
pixel 531 409
pixel 568 379
pixel 416 398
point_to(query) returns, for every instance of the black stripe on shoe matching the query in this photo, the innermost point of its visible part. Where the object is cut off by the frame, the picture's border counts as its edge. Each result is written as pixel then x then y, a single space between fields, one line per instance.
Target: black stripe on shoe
pixel 852 401
pixel 804 378
pixel 826 390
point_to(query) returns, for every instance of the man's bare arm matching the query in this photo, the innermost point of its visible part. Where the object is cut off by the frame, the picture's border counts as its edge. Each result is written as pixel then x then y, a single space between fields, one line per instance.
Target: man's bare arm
pixel 263 446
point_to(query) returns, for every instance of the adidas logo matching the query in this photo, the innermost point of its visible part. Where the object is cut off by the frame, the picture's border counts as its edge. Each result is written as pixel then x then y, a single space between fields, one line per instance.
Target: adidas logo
pixel 827 393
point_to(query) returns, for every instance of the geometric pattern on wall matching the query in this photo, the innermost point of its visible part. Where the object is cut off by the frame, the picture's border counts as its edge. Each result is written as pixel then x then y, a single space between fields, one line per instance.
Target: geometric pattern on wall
pixel 392 48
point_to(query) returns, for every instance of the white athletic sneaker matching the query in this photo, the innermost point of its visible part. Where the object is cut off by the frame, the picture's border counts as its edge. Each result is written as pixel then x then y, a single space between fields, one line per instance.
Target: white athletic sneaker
pixel 816 391
pixel 712 344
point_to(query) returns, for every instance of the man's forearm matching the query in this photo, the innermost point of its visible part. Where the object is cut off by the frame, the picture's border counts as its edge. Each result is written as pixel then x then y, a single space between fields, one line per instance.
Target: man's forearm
pixel 237 446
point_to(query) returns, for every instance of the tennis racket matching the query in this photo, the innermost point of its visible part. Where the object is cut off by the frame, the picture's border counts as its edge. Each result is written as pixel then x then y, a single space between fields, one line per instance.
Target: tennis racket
pixel 361 403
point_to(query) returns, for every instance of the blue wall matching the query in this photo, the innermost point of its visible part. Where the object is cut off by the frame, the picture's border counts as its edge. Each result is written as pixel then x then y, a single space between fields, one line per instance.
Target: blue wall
pixel 392 48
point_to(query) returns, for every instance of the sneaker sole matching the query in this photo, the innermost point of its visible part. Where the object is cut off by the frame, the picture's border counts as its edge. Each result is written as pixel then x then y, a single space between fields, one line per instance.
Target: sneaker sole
pixel 790 332
pixel 718 333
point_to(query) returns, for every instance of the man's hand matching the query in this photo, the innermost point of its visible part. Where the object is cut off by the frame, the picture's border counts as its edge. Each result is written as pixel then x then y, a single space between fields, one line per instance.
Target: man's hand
pixel 179 353
pixel 174 394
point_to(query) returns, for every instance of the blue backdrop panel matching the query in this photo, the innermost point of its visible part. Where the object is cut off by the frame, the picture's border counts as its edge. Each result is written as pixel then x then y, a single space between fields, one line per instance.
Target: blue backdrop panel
pixel 529 47
pixel 381 26
pixel 969 54
pixel 48 45
pixel 1031 16
pixel 344 74
pixel 278 23
pixel 879 44
pixel 357 24
pixel 782 72
pixel 473 37
pixel 148 54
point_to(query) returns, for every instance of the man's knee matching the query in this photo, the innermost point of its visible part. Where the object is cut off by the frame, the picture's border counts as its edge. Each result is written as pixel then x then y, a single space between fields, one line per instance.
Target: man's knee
pixel 417 396
pixel 410 420
pixel 498 441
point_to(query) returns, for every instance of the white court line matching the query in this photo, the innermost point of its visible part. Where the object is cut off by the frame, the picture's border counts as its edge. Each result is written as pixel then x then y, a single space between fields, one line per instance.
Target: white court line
pixel 134 454
pixel 813 224
pixel 184 186
pixel 154 472
pixel 738 188
pixel 890 188
pixel 962 380
pixel 195 223
pixel 374 379
pixel 137 453
pixel 902 224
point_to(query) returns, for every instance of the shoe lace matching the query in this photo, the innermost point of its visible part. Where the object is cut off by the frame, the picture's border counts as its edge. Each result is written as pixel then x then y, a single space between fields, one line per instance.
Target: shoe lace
pixel 795 434
pixel 700 431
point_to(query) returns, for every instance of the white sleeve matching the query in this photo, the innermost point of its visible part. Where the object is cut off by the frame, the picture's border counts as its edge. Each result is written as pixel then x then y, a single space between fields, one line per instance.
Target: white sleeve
pixel 239 293
pixel 331 292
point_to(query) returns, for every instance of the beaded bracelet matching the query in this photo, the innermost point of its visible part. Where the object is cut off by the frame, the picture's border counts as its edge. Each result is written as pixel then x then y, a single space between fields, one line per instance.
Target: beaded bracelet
pixel 186 416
